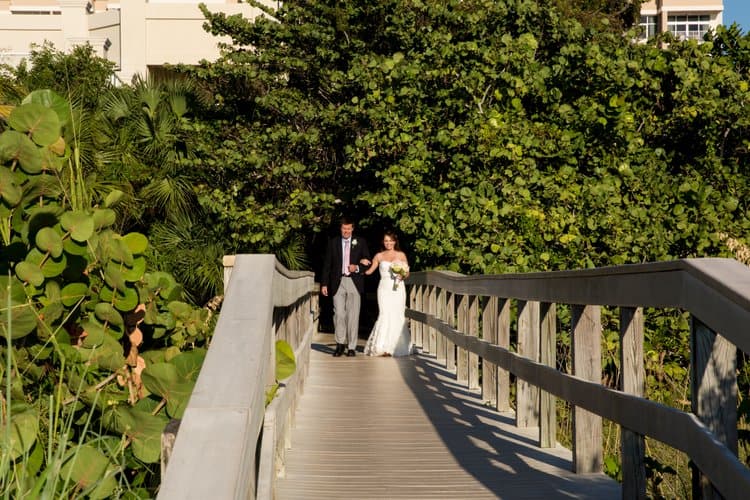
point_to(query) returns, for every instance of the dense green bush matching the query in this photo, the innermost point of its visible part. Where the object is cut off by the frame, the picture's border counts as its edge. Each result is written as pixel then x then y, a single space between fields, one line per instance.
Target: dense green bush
pixel 100 353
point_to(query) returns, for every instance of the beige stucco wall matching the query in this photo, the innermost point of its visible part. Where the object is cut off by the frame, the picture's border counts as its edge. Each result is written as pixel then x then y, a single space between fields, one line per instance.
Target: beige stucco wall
pixel 134 34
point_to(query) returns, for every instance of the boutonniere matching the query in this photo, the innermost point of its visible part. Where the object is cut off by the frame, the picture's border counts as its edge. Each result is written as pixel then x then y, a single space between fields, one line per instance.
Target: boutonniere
pixel 354 242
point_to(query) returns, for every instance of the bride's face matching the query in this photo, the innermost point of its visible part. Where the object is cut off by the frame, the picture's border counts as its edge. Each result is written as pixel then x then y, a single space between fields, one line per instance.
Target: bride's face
pixel 389 243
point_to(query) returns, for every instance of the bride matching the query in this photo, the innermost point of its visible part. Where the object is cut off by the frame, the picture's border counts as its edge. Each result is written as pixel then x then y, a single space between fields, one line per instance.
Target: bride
pixel 390 336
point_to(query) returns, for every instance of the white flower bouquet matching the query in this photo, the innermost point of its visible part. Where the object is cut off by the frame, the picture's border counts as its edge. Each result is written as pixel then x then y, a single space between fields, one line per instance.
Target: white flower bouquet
pixel 399 271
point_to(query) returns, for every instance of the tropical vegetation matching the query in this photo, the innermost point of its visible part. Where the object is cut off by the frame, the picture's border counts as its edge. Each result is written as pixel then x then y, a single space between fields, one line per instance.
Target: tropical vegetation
pixel 495 136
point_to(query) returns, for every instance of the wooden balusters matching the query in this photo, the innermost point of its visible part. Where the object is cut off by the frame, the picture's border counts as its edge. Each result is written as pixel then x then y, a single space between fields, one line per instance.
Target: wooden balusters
pixel 713 392
pixel 472 329
pixel 527 395
pixel 632 382
pixel 548 357
pixel 587 364
pixel 489 333
pixel 450 347
pixel 441 301
pixel 417 326
pixel 462 355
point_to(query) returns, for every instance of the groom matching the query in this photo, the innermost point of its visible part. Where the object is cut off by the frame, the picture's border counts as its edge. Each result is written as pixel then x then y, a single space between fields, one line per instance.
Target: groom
pixel 346 260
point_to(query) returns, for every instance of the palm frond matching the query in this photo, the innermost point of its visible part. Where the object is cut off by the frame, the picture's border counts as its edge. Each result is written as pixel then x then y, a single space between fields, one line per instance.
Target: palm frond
pixel 293 254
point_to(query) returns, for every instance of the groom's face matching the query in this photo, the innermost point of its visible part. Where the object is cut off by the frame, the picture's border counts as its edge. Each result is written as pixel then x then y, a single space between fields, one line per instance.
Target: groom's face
pixel 347 230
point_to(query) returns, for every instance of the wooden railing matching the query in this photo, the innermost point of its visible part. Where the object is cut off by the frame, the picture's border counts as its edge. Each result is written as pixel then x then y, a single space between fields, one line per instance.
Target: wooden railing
pixel 450 310
pixel 229 444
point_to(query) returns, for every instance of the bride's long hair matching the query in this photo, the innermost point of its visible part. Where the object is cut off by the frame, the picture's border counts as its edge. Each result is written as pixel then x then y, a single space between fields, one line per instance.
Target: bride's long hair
pixel 391 235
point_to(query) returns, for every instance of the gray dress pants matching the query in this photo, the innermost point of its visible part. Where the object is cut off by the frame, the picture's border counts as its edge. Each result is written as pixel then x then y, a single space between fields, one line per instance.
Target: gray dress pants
pixel 346 305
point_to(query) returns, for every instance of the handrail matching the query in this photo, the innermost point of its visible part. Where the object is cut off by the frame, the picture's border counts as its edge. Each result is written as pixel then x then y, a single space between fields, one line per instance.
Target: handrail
pixel 715 291
pixel 214 455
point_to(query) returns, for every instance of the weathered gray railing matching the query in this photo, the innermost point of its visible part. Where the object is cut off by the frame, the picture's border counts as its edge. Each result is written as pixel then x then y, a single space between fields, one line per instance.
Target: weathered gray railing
pixel 229 444
pixel 447 307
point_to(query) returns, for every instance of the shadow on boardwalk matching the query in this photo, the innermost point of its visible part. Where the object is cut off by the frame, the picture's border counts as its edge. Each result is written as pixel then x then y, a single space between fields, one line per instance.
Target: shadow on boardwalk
pixel 402 428
pixel 488 445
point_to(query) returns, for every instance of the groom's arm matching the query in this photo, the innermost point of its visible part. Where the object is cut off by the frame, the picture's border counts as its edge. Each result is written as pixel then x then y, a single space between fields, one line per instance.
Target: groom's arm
pixel 364 257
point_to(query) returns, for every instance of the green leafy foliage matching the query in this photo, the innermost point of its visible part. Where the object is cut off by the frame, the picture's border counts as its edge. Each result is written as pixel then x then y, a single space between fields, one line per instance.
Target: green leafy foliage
pixel 77 300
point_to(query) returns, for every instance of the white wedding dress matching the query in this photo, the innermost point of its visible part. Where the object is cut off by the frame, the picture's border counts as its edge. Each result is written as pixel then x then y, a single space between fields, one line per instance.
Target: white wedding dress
pixel 390 335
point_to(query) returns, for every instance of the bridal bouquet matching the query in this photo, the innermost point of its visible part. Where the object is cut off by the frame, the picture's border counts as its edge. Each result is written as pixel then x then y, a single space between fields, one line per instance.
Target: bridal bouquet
pixel 399 271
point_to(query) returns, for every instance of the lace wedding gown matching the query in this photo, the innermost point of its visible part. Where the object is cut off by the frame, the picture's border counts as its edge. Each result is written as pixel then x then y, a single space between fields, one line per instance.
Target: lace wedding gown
pixel 390 335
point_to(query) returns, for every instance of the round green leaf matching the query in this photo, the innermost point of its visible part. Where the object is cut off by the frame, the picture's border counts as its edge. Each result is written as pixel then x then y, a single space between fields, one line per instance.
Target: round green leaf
pixel 22 314
pixel 188 364
pixel 17 146
pixel 75 248
pixel 146 435
pixel 24 426
pixel 159 377
pixel 72 293
pixel 48 240
pixel 106 313
pixel 126 301
pixel 164 380
pixel 106 294
pixel 50 266
pixel 10 192
pixel 179 309
pixel 79 224
pixel 40 121
pixel 95 334
pixel 135 273
pixel 104 217
pixel 51 161
pixel 114 278
pixel 85 466
pixel 136 242
pixel 30 273
pixel 117 250
pixel 52 100
pixel 107 356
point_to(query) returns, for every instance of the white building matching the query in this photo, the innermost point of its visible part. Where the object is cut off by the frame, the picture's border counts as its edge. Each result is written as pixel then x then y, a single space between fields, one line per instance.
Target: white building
pixel 686 19
pixel 135 34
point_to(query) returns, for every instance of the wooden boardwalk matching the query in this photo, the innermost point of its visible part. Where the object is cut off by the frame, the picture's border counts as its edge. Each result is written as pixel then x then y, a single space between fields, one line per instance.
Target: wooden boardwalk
pixel 371 428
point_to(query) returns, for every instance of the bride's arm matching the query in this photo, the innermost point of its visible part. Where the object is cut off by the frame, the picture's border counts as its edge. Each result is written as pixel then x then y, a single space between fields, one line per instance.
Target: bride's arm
pixel 374 265
pixel 406 261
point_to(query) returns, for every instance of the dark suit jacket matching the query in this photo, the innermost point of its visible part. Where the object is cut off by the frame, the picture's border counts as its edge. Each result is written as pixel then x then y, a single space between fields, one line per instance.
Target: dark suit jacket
pixel 331 274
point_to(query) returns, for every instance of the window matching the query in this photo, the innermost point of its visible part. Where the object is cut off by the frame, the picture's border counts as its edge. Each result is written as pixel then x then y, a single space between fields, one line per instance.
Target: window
pixel 30 10
pixel 689 27
pixel 648 27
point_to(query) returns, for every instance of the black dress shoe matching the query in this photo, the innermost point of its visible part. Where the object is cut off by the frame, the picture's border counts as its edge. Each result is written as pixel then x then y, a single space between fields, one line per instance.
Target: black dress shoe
pixel 351 353
pixel 339 350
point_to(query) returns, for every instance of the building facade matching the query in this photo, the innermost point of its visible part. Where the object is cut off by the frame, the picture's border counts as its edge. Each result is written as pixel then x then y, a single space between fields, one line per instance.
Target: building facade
pixel 137 35
pixel 686 19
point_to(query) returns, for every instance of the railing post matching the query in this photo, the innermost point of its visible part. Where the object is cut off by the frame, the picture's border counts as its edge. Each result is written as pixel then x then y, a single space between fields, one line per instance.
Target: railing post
pixel 431 307
pixel 426 345
pixel 547 356
pixel 587 364
pixel 489 333
pixel 503 340
pixel 462 355
pixel 440 305
pixel 418 339
pixel 413 325
pixel 713 391
pixel 527 395
pixel 473 331
pixel 633 378
pixel 450 347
